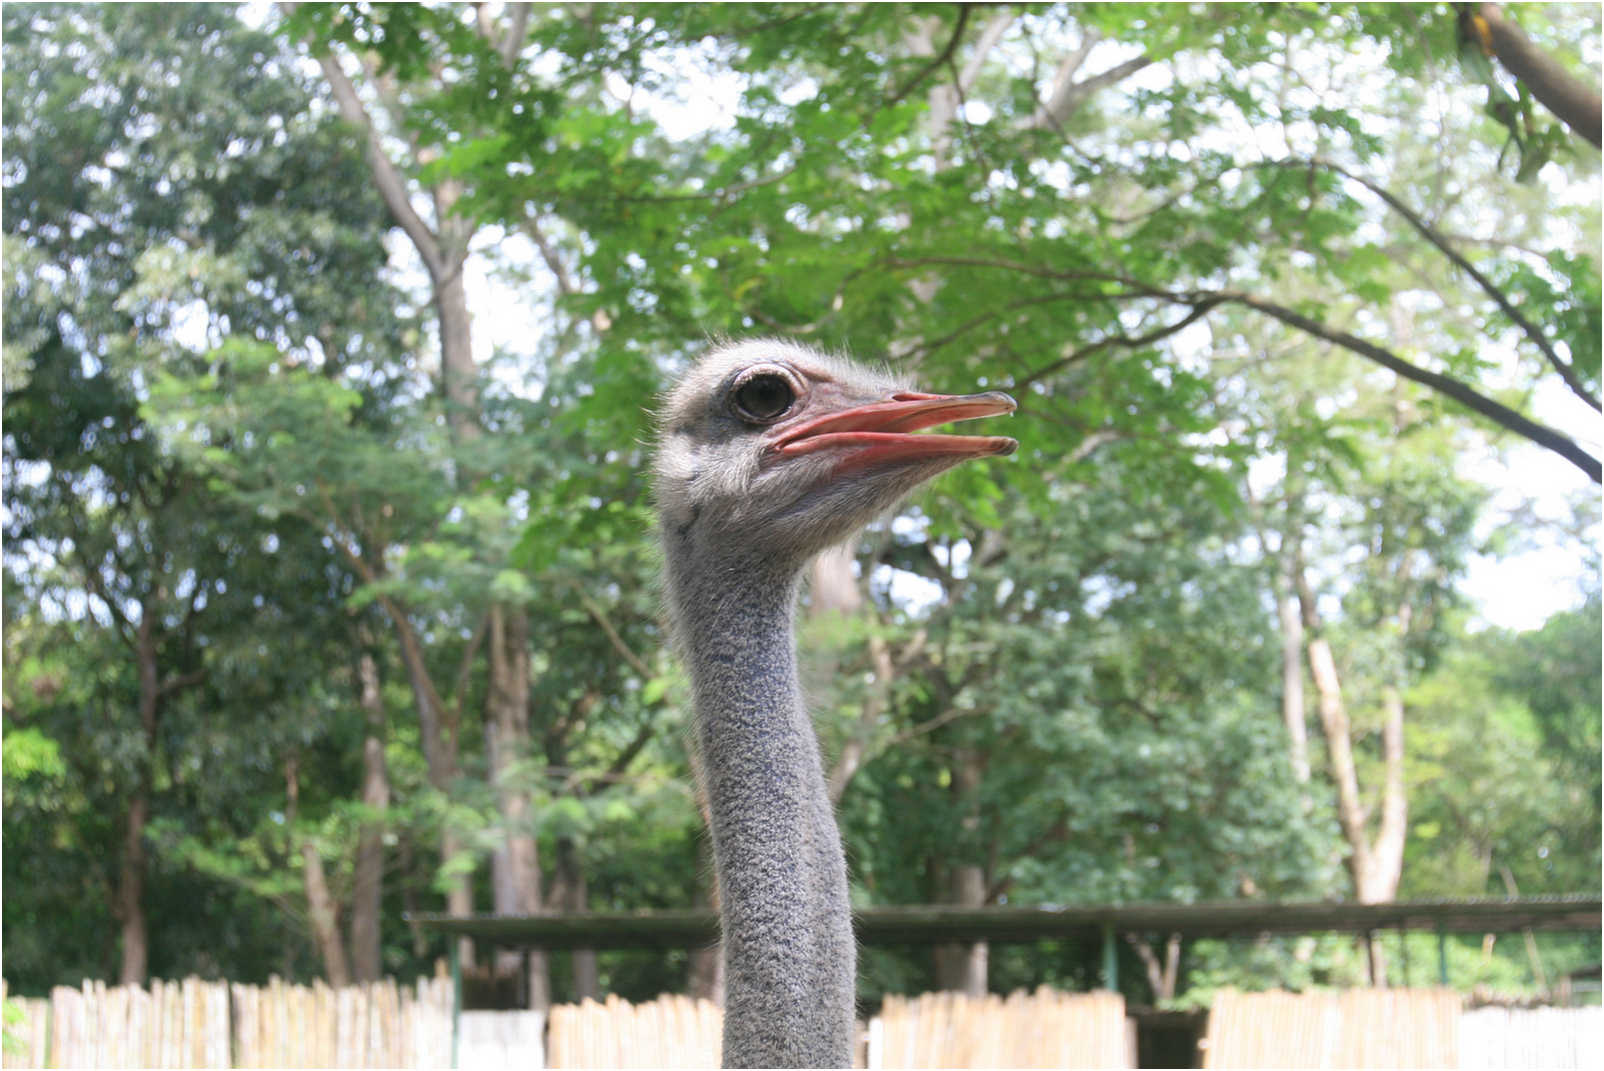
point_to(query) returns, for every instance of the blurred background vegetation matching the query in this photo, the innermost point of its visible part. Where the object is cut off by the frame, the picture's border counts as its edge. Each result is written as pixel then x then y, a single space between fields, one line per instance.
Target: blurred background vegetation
pixel 331 342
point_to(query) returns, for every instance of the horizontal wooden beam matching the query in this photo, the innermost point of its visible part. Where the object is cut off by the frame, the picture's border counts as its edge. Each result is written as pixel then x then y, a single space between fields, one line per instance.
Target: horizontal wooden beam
pixel 937 924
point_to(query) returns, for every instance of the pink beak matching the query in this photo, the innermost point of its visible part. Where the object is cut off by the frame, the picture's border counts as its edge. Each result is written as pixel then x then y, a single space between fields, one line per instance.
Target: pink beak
pixel 884 431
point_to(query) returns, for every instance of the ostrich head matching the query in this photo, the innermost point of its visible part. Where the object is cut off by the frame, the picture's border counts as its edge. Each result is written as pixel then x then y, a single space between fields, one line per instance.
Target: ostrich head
pixel 770 448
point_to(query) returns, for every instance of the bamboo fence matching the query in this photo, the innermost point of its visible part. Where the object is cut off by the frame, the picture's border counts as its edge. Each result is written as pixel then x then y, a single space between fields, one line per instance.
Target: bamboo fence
pixel 1414 1028
pixel 669 1032
pixel 1041 1029
pixel 193 1024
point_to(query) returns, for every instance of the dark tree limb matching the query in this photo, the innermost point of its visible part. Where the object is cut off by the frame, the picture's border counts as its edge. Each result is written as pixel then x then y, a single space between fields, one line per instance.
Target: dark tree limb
pixel 1463 393
pixel 1505 417
pixel 1440 242
pixel 1199 310
pixel 1575 103
pixel 935 64
pixel 599 615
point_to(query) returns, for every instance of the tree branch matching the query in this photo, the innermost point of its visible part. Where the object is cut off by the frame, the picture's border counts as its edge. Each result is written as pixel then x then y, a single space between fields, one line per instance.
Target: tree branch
pixel 1505 417
pixel 179 681
pixel 930 726
pixel 392 186
pixel 548 253
pixel 600 617
pixel 513 41
pixel 459 687
pixel 1199 310
pixel 1047 112
pixel 1426 231
pixel 1069 100
pixel 1576 104
pixel 988 41
pixel 615 769
pixel 936 63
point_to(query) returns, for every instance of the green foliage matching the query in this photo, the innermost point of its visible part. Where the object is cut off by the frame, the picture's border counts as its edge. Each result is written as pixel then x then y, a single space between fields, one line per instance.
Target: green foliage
pixel 221 410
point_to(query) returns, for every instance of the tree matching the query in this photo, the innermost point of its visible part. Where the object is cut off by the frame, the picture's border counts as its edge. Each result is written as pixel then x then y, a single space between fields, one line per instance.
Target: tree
pixel 1271 286
pixel 150 237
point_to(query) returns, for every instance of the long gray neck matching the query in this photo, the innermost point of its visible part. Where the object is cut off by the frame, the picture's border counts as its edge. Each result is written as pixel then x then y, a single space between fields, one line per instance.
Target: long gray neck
pixel 789 954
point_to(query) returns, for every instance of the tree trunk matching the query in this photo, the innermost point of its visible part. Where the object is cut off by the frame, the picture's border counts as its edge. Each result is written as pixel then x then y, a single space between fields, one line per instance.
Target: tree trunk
pixel 1161 976
pixel 1293 712
pixel 1334 723
pixel 962 967
pixel 439 743
pixel 325 916
pixel 1388 851
pixel 368 883
pixel 515 864
pixel 570 893
pixel 131 893
pixel 1375 867
pixel 458 374
pixel 459 894
pixel 131 875
pixel 322 910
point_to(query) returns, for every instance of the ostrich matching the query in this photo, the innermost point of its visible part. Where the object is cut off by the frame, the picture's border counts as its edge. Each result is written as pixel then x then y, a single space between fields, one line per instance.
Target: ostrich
pixel 770 452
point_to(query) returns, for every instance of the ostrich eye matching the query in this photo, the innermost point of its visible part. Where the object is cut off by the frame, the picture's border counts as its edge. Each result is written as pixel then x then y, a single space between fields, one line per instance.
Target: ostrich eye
pixel 765 397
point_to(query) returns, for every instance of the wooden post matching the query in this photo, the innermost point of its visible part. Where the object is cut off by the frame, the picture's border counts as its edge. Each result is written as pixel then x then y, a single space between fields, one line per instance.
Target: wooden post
pixel 456 996
pixel 1110 959
pixel 1442 956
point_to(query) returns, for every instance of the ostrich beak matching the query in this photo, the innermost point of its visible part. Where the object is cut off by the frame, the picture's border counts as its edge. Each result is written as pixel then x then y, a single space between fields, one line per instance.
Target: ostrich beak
pixel 886 431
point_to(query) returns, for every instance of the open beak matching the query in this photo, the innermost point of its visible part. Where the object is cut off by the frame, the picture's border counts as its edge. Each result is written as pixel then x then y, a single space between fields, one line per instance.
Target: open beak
pixel 886 431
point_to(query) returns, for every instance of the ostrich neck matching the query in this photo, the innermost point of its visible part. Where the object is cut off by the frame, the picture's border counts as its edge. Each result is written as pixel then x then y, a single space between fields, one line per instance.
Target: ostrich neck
pixel 788 945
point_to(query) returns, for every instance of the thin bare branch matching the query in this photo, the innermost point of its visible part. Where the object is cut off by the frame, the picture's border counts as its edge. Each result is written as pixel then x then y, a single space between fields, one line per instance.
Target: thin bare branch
pixel 1199 310
pixel 1507 418
pixel 470 652
pixel 548 253
pixel 615 769
pixel 930 725
pixel 1488 287
pixel 600 617
pixel 1048 112
pixel 392 186
pixel 935 63
pixel 1544 436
